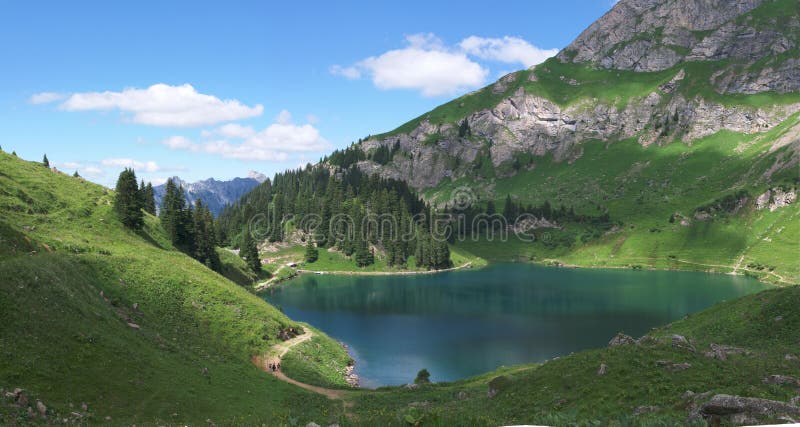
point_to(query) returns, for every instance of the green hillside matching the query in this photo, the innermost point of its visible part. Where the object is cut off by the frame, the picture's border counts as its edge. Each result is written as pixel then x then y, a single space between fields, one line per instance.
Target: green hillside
pixel 141 333
pixel 659 194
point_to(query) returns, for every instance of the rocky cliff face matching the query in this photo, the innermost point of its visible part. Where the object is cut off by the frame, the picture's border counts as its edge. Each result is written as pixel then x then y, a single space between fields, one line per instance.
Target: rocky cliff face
pixel 744 55
pixel 759 37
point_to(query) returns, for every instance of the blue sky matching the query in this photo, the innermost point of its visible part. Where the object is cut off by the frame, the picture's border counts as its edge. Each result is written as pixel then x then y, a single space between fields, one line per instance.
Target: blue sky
pixel 201 89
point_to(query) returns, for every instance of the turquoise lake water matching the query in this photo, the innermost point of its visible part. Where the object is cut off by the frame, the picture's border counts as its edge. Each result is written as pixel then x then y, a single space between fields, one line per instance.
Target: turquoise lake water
pixel 459 324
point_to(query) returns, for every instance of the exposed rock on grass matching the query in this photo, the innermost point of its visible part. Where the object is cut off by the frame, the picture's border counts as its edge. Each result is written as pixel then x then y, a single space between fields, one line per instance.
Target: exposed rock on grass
pixel 679 341
pixel 721 351
pixel 781 380
pixel 747 410
pixel 621 339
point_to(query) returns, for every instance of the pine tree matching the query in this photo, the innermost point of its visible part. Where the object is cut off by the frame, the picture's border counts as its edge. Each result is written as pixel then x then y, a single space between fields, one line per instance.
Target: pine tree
pixel 176 218
pixel 46 162
pixel 509 210
pixel 205 237
pixel 249 252
pixel 127 202
pixel 76 174
pixel 364 256
pixel 149 199
pixel 312 254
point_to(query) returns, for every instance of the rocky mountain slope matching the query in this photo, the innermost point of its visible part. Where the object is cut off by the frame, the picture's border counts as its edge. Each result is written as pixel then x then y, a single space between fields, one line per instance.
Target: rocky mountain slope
pixel 656 70
pixel 644 115
pixel 758 38
pixel 216 194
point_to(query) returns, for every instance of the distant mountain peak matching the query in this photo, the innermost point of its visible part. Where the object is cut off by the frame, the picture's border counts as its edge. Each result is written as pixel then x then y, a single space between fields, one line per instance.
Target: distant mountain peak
pixel 258 176
pixel 216 194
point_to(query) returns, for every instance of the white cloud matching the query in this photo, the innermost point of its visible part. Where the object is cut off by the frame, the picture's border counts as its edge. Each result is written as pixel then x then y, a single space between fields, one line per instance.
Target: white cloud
pixel 46 97
pixel 67 165
pixel 312 119
pixel 351 73
pixel 274 143
pixel 162 105
pixel 91 171
pixel 506 49
pixel 179 143
pixel 284 117
pixel 425 65
pixel 149 166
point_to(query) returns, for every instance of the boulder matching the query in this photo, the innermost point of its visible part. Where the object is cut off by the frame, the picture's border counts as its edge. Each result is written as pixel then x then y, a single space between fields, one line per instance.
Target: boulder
pixel 602 370
pixel 721 352
pixel 312 424
pixel 621 339
pixel 679 341
pixel 781 380
pixel 41 408
pixel 747 410
pixel 21 398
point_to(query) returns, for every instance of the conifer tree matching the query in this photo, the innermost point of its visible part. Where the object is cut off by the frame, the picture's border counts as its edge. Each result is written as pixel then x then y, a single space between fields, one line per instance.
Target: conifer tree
pixel 176 218
pixel 364 255
pixel 205 237
pixel 509 210
pixel 46 162
pixel 76 174
pixel 249 252
pixel 127 202
pixel 149 199
pixel 312 253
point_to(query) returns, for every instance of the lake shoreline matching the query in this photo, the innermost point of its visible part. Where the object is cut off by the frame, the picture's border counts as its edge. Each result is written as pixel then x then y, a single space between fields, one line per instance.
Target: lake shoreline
pixel 270 283
pixel 545 263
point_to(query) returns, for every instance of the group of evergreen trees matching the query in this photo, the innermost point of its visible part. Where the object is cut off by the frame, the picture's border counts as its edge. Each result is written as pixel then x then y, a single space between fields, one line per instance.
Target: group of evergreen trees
pixel 477 218
pixel 191 229
pixel 383 154
pixel 342 208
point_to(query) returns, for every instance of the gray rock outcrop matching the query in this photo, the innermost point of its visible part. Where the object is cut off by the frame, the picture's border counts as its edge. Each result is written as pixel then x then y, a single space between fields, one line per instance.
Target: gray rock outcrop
pixel 655 35
pixel 747 410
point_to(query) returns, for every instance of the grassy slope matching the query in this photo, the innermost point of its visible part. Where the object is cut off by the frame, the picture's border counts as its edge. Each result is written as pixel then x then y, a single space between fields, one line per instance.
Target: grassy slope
pixel 568 391
pixel 317 361
pixel 65 342
pixel 644 186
